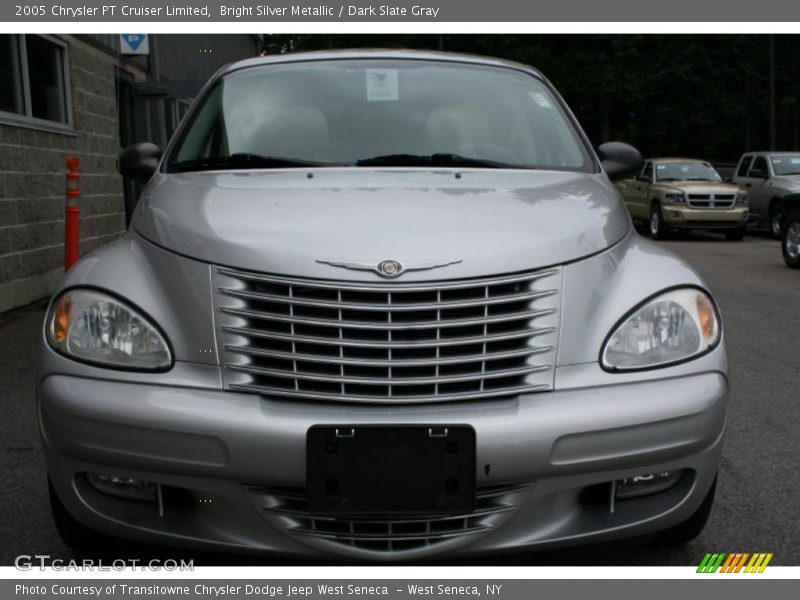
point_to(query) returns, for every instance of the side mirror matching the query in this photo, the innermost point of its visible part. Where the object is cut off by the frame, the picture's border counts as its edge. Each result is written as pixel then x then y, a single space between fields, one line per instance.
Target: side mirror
pixel 139 161
pixel 644 178
pixel 758 173
pixel 619 160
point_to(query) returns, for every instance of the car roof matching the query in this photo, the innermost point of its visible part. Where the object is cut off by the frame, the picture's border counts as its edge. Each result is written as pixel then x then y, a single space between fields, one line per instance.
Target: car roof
pixel 772 152
pixel 375 53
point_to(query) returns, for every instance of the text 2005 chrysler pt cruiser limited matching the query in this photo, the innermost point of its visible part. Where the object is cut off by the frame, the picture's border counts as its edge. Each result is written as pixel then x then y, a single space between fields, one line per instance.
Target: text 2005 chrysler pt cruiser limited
pixel 381 305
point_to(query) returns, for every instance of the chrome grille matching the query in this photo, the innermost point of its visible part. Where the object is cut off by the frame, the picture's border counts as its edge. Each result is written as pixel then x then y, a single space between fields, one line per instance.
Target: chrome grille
pixel 287 509
pixel 389 342
pixel 711 200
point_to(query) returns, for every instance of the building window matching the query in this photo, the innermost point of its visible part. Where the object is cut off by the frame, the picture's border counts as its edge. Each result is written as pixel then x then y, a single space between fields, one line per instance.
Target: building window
pixel 11 99
pixel 34 81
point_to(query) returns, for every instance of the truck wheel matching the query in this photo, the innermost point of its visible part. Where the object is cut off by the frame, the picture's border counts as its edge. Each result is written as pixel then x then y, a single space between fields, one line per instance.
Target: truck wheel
pixel 735 235
pixel 775 220
pixel 686 531
pixel 790 244
pixel 657 229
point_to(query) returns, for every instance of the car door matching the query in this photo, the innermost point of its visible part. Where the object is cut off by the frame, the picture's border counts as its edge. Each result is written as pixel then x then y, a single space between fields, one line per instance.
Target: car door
pixel 740 175
pixel 756 187
pixel 638 192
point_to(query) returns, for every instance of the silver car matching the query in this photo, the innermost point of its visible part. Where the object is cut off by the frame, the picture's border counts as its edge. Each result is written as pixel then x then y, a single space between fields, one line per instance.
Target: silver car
pixel 381 306
pixel 768 178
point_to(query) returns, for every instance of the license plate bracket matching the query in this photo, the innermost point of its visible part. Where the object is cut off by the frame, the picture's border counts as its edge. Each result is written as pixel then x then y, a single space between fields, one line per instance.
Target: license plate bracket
pixel 377 469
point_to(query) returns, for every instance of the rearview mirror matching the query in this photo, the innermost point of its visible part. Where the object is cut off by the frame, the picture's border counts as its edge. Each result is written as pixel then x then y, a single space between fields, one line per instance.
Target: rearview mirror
pixel 619 160
pixel 139 161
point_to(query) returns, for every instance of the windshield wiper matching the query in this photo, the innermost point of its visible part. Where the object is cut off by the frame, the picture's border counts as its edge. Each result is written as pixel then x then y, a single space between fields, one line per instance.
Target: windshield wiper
pixel 432 160
pixel 700 179
pixel 244 160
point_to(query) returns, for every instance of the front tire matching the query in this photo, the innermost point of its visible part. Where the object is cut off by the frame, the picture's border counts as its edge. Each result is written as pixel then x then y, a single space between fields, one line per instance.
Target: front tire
pixel 790 242
pixel 735 235
pixel 775 220
pixel 686 531
pixel 657 229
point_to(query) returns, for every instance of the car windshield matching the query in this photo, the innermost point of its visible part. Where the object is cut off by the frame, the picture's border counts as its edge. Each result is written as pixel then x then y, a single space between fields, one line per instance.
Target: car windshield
pixel 686 171
pixel 786 164
pixel 379 113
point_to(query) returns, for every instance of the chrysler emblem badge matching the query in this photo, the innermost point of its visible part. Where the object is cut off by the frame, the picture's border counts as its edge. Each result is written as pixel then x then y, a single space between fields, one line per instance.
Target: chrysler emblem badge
pixel 388 268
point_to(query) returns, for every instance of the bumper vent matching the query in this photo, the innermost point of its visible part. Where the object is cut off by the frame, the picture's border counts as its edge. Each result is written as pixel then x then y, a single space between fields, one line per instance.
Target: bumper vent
pixel 387 342
pixel 286 508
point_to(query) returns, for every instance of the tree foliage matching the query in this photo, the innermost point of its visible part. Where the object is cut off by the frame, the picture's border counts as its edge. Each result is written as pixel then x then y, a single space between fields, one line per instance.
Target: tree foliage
pixel 704 96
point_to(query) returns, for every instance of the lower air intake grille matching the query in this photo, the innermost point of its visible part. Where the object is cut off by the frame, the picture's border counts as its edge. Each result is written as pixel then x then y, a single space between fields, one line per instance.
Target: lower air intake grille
pixel 287 508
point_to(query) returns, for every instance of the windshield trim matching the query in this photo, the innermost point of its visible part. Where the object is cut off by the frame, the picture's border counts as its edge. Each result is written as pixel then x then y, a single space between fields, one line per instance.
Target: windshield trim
pixel 168 160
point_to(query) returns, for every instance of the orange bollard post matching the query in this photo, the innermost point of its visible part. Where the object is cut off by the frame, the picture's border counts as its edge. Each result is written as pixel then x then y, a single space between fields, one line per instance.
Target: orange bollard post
pixel 72 216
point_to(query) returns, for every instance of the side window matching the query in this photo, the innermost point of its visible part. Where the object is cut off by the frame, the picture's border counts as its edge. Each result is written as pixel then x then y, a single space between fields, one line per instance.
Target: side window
pixel 647 171
pixel 744 166
pixel 759 164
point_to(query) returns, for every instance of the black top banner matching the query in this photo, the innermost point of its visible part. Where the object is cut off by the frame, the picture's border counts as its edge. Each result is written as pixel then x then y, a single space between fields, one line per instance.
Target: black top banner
pixel 413 11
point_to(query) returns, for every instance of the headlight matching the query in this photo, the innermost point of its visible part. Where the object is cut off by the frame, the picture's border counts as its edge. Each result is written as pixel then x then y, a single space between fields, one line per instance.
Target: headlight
pixel 91 326
pixel 675 197
pixel 669 328
pixel 741 198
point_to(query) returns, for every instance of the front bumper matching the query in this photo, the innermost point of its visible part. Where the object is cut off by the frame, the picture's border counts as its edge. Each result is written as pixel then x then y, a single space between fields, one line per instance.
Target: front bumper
pixel 225 451
pixel 684 216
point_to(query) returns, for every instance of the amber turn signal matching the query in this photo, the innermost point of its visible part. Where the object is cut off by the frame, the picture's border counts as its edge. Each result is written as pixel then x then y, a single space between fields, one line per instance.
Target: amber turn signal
pixel 708 320
pixel 61 316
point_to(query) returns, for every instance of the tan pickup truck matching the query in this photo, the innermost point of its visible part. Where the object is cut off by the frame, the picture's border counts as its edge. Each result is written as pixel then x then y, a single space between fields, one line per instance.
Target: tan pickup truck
pixel 685 193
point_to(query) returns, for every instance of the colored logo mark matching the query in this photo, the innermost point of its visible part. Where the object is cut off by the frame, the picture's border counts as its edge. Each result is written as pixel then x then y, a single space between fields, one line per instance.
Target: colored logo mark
pixel 734 562
pixel 134 40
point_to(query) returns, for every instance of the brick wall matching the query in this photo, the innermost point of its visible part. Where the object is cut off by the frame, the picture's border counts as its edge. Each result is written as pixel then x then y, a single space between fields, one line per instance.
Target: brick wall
pixel 32 182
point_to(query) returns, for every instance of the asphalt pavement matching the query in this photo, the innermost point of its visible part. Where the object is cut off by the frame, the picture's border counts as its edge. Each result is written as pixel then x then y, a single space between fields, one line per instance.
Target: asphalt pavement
pixel 756 509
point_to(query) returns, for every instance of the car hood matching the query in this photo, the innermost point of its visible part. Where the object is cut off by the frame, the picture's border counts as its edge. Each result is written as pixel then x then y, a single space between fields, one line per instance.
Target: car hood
pixel 700 187
pixel 284 221
pixel 788 181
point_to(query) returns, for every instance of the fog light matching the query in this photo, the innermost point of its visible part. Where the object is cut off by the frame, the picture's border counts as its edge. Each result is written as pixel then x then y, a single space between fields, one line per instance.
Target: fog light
pixel 648 483
pixel 123 487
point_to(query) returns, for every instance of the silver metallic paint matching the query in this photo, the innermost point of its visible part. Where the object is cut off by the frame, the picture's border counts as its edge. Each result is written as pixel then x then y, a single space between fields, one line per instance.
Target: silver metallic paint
pixel 181 428
pixel 281 222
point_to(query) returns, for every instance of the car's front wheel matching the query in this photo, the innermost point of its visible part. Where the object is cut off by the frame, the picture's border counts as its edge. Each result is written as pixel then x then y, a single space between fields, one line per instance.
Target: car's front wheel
pixel 790 244
pixel 775 220
pixel 685 531
pixel 735 235
pixel 657 229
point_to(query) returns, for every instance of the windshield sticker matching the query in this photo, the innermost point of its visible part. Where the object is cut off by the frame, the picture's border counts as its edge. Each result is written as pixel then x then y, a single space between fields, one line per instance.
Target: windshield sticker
pixel 661 167
pixel 382 85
